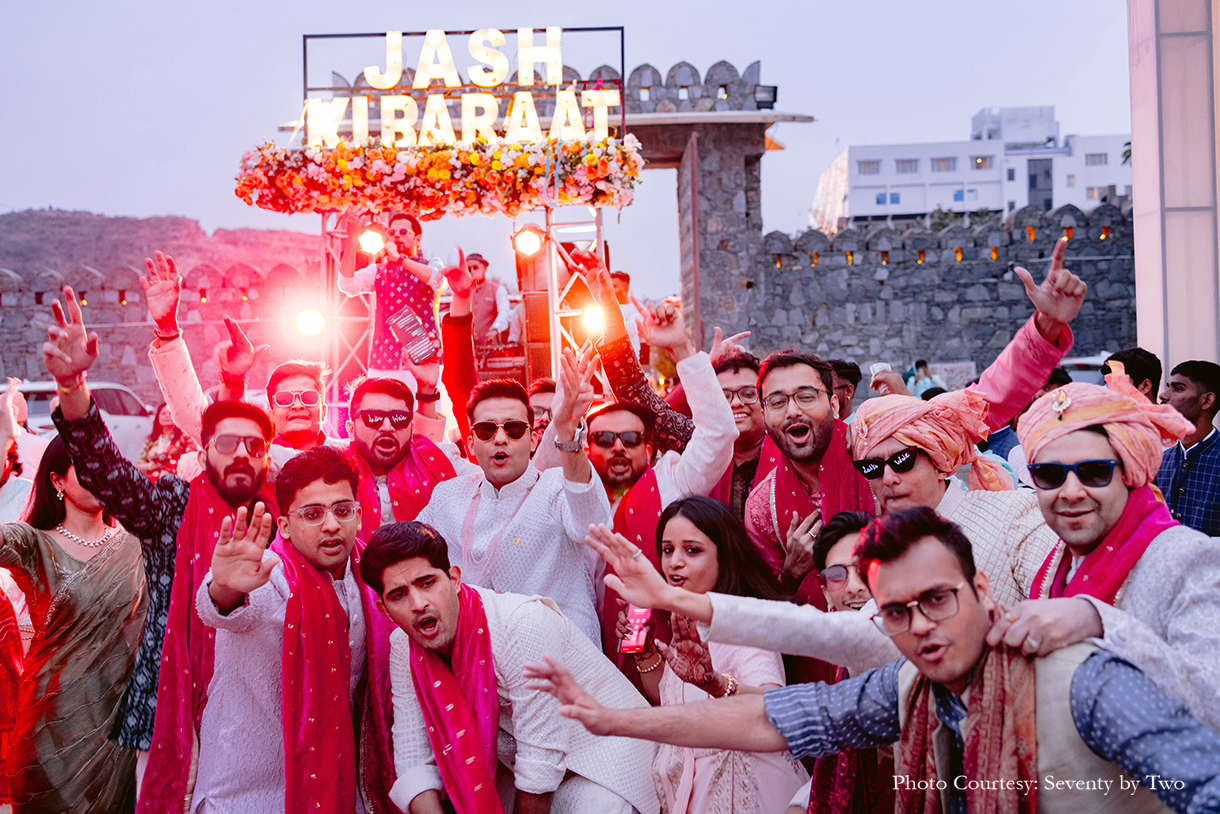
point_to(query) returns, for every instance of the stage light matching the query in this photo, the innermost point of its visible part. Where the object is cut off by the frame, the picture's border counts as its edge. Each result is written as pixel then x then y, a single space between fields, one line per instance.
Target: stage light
pixel 592 318
pixel 310 322
pixel 371 241
pixel 528 240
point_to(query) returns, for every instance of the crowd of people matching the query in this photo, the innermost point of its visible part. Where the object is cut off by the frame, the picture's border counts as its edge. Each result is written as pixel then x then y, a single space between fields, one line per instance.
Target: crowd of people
pixel 759 593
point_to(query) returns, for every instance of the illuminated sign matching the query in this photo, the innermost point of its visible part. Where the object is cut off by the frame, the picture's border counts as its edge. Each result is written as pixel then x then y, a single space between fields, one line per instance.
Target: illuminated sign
pixel 403 124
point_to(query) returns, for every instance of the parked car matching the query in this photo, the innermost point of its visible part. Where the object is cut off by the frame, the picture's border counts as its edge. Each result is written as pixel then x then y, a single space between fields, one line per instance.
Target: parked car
pixel 128 418
pixel 1087 369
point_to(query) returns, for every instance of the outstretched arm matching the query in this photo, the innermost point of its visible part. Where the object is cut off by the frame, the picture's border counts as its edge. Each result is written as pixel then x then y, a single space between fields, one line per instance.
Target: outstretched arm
pixel 636 580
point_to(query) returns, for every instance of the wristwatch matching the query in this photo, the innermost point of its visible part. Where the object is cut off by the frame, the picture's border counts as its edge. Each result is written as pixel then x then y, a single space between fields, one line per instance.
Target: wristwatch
pixel 577 443
pixel 426 398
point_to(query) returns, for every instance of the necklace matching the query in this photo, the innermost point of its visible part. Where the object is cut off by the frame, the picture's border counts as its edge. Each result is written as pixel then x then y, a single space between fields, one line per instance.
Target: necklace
pixel 110 532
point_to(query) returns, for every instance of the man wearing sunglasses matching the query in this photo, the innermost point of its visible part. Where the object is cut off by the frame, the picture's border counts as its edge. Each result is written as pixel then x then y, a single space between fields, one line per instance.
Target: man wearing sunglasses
pixel 1151 585
pixel 511 527
pixel 976 727
pixel 177 523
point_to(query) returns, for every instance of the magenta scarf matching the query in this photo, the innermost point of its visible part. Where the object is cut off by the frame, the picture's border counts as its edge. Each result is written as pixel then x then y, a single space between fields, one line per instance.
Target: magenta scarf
pixel 411 482
pixel 1105 569
pixel 187 654
pixel 462 710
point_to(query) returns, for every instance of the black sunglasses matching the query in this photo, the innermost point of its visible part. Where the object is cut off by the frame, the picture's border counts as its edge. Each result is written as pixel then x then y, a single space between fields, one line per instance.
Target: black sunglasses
pixel 227 444
pixel 872 468
pixel 374 418
pixel 1092 474
pixel 486 430
pixel 605 438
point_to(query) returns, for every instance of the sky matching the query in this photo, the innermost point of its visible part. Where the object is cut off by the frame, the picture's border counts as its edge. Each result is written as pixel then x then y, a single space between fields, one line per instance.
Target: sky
pixel 143 107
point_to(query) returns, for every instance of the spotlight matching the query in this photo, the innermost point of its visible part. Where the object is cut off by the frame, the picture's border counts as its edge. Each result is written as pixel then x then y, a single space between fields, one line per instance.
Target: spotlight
pixel 310 322
pixel 371 241
pixel 528 240
pixel 592 318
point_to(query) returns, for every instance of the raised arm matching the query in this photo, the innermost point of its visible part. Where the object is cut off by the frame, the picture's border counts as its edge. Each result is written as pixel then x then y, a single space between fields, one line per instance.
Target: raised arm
pixel 457 338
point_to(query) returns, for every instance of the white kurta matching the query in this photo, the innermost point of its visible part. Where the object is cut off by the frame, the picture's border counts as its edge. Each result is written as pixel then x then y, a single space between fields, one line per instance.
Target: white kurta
pixel 544 751
pixel 241 736
pixel 528 537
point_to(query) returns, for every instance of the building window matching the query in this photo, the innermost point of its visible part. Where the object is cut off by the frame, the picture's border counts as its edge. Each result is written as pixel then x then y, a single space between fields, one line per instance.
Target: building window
pixel 1012 205
pixel 1071 180
pixel 1096 159
pixel 722 92
pixel 992 134
pixel 972 194
pixel 982 162
pixel 1012 174
pixel 895 197
pixel 1127 190
pixel 880 199
pixel 1095 193
pixel 959 195
pixel 683 91
pixel 906 165
pixel 645 94
pixel 868 167
pixel 944 164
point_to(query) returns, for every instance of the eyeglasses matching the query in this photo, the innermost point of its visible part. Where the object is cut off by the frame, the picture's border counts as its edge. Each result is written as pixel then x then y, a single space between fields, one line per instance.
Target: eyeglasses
pixel 937 605
pixel 605 438
pixel 486 430
pixel 373 418
pixel 1093 474
pixel 805 398
pixel 404 231
pixel 835 576
pixel 286 398
pixel 746 395
pixel 541 415
pixel 227 444
pixel 344 511
pixel 901 461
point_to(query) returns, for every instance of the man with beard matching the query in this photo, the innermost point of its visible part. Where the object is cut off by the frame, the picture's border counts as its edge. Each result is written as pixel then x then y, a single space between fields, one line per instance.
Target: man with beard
pixel 178 524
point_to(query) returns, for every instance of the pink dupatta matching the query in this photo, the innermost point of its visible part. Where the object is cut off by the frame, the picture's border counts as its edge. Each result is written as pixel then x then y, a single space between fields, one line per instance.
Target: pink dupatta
pixel 462 710
pixel 411 483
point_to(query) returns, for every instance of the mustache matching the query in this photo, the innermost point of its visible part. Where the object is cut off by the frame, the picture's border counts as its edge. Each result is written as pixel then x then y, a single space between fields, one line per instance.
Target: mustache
pixel 796 422
pixel 239 467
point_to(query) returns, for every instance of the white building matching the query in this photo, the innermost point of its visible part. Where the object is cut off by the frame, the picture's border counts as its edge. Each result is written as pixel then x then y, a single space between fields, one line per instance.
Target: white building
pixel 1013 158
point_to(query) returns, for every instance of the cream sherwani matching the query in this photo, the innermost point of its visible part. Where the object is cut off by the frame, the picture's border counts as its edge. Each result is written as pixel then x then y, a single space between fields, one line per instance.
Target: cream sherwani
pixel 543 751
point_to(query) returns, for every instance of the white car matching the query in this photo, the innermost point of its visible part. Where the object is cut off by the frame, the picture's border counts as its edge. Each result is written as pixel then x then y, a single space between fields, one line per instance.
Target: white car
pixel 128 418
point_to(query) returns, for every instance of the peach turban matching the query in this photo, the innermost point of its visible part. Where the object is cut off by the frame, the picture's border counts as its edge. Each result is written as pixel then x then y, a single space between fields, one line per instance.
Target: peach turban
pixel 946 428
pixel 1138 430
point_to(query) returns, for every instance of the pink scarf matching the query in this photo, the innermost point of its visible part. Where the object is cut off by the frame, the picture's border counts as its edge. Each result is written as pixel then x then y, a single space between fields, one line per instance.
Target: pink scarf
pixel 411 482
pixel 187 653
pixel 319 738
pixel 462 710
pixel 1105 569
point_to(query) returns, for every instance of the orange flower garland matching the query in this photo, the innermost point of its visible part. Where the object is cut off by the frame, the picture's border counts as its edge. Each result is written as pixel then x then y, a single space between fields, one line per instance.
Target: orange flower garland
pixel 462 179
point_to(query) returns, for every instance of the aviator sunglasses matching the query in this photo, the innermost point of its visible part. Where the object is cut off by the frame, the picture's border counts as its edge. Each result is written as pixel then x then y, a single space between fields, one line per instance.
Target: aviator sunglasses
pixel 872 468
pixel 227 444
pixel 486 430
pixel 1091 474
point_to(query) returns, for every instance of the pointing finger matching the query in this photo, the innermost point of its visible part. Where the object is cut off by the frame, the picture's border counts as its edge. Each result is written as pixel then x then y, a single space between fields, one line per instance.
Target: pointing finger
pixel 1057 255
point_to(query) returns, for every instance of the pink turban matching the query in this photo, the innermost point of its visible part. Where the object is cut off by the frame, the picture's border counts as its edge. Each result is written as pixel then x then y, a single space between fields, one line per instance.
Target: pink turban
pixel 1139 431
pixel 946 428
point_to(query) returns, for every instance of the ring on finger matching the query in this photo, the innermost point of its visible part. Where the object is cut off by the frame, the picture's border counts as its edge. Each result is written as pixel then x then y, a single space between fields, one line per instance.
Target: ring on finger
pixel 637 553
pixel 1032 642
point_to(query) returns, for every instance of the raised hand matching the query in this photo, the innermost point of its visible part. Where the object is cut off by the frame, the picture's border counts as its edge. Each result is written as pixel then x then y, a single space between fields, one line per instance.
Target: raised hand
pixel 238 566
pixel 634 578
pixel 664 327
pixel 426 374
pixel 69 351
pixel 722 346
pixel 236 355
pixel 1061 295
pixel 461 281
pixel 162 292
pixel 598 277
pixel 573 391
pixel 889 383
pixel 798 547
pixel 576 704
pixel 1042 626
pixel 688 656
pixel 8 412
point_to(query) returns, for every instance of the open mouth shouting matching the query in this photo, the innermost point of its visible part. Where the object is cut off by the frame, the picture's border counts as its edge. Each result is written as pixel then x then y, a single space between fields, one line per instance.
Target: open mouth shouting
pixel 799 431
pixel 386 445
pixel 500 458
pixel 427 624
pixel 933 652
pixel 618 465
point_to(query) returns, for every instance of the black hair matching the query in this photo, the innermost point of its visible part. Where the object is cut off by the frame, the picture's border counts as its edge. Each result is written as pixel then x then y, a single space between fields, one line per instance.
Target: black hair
pixel 835 529
pixel 397 542
pixel 735 361
pixel 1140 365
pixel 322 463
pixel 499 389
pixel 742 572
pixel 220 410
pixel 846 370
pixel 791 358
pixel 155 432
pixel 1205 375
pixel 404 216
pixel 888 537
pixel 318 371
pixel 646 416
pixel 1058 378
pixel 921 363
pixel 540 385
pixel 932 392
pixel 45 510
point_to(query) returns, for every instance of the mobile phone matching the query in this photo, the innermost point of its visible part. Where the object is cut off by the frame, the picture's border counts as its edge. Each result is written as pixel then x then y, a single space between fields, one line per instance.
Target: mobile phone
pixel 874 369
pixel 638 619
pixel 409 330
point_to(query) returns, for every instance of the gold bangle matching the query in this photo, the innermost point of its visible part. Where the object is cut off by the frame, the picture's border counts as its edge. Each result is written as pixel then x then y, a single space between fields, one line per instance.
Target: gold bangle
pixel 652 666
pixel 80 381
pixel 731 686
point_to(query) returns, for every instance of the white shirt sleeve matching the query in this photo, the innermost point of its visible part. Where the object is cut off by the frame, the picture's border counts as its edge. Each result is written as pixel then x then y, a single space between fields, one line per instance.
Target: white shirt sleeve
pixel 585 504
pixel 414 763
pixel 264 605
pixel 361 282
pixel 502 309
pixel 180 386
pixel 710 450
